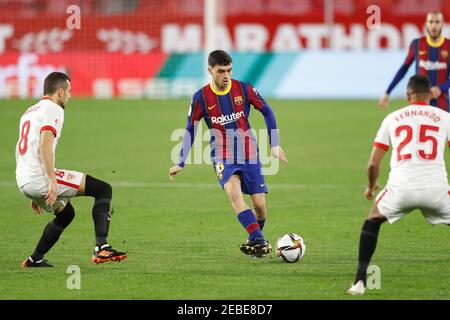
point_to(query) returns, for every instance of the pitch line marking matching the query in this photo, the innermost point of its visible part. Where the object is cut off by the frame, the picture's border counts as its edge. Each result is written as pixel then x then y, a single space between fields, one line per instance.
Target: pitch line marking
pixel 200 185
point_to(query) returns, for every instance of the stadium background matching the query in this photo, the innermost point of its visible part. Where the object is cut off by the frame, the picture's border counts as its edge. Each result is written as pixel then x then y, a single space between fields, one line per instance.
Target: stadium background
pixel 134 65
pixel 154 49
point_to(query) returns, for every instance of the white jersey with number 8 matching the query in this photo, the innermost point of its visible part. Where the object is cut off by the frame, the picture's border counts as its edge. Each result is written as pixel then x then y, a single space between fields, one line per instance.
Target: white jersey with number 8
pixel 45 115
pixel 418 134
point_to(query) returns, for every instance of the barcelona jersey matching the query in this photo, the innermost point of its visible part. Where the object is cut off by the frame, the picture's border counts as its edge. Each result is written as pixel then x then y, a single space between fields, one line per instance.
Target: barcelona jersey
pixel 227 117
pixel 432 60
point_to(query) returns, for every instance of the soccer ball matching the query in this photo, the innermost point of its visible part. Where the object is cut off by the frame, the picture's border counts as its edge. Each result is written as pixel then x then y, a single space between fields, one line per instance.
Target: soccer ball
pixel 291 247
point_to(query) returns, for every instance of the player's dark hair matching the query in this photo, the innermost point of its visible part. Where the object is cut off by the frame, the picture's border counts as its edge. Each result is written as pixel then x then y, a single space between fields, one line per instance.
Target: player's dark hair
pixel 419 84
pixel 55 81
pixel 219 58
pixel 435 12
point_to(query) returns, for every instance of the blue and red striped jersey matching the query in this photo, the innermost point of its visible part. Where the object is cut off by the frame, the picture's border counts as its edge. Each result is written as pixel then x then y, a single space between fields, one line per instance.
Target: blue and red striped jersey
pixel 226 114
pixel 432 60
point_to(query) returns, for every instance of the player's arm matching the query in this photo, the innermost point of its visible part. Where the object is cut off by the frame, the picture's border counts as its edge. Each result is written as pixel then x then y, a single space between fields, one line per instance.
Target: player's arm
pixel 380 147
pixel 269 118
pixel 188 140
pixel 443 87
pixel 194 116
pixel 373 170
pixel 383 102
pixel 47 157
pixel 448 130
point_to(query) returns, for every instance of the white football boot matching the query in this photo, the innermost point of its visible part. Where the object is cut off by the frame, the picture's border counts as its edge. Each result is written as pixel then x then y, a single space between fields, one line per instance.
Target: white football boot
pixel 357 289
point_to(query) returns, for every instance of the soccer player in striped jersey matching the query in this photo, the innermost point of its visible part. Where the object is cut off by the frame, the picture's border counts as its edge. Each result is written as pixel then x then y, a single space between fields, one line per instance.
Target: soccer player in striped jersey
pixel 432 56
pixel 224 104
pixel 51 189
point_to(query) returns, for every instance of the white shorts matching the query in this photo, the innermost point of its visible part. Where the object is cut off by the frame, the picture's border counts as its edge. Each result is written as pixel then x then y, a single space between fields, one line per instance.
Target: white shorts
pixel 68 185
pixel 434 203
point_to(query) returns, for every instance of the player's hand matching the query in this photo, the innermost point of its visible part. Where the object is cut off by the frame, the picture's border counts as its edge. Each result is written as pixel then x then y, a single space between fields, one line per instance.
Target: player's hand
pixel 278 152
pixel 52 195
pixel 383 102
pixel 436 92
pixel 36 209
pixel 174 170
pixel 369 192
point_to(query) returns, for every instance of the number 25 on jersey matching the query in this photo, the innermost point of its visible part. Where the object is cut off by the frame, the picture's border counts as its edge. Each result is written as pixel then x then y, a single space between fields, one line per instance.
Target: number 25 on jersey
pixel 425 136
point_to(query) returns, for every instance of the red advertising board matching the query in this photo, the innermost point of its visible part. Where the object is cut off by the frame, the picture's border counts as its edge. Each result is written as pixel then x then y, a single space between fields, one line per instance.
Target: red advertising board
pixel 21 75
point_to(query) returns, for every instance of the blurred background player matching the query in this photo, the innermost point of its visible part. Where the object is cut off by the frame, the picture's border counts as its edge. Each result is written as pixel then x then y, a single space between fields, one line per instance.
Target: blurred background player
pixel 431 54
pixel 418 134
pixel 50 189
pixel 225 105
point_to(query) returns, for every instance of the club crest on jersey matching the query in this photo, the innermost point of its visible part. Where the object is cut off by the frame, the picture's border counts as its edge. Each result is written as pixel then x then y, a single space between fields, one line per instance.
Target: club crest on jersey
pixel 219 168
pixel 238 100
pixel 444 54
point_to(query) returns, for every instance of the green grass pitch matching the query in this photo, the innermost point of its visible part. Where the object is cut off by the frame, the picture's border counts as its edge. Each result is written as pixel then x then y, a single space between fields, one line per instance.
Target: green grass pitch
pixel 183 238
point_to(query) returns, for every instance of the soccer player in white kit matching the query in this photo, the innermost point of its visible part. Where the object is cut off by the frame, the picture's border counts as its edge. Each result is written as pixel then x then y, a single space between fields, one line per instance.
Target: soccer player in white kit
pixel 418 134
pixel 50 189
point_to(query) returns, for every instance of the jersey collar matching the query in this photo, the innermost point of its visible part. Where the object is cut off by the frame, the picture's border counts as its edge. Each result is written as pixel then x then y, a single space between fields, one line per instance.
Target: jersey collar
pixel 221 93
pixel 437 43
pixel 420 103
pixel 48 98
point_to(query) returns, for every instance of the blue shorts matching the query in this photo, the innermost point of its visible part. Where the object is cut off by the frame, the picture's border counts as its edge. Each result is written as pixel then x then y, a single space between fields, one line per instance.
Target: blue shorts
pixel 252 179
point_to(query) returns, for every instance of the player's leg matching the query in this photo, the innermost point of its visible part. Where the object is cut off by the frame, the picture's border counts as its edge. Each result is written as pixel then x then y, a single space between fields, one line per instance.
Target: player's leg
pixel 367 245
pixel 102 193
pixel 246 217
pixel 436 205
pixel 368 241
pixel 233 189
pixel 64 214
pixel 259 206
pixel 253 184
pixel 52 231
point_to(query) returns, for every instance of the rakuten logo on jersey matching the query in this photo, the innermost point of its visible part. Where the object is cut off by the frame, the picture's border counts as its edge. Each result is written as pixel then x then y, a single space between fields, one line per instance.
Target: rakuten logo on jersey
pixel 432 65
pixel 225 119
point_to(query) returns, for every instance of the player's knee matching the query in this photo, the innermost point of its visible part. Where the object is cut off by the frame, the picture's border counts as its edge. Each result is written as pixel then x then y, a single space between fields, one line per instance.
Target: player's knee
pixel 104 190
pixel 375 216
pixel 377 219
pixel 107 190
pixel 97 188
pixel 238 203
pixel 65 217
pixel 234 195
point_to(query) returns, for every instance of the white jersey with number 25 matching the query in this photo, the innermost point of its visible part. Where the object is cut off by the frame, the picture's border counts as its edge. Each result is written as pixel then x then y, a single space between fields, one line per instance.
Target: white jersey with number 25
pixel 418 134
